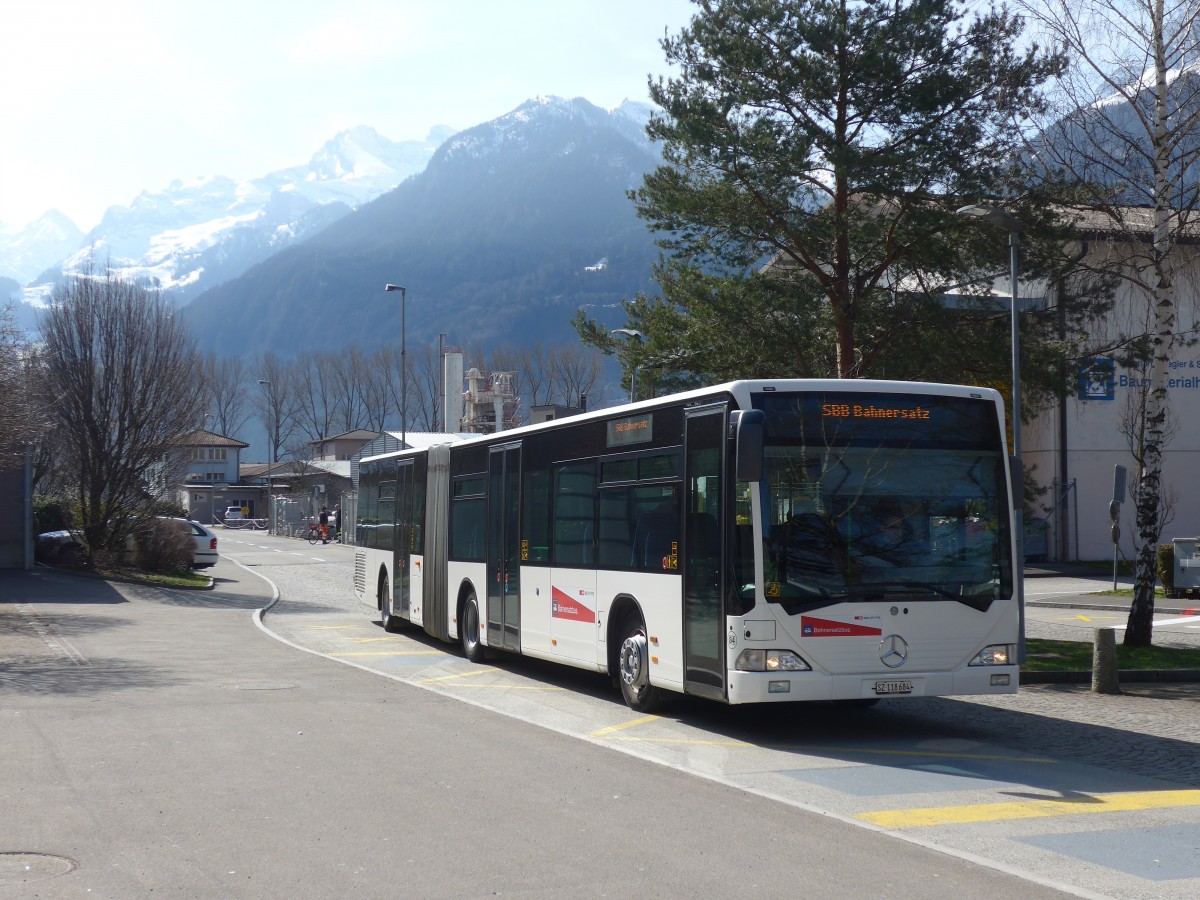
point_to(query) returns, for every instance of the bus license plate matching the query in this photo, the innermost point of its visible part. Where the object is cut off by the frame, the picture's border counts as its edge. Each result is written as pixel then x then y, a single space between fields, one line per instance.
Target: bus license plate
pixel 893 687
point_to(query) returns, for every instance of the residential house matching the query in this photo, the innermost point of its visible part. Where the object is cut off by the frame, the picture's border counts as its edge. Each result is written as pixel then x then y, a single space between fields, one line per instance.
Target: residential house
pixel 211 479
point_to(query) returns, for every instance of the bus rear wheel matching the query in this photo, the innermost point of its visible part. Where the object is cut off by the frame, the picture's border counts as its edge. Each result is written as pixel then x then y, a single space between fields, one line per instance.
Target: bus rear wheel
pixel 468 630
pixel 387 619
pixel 633 668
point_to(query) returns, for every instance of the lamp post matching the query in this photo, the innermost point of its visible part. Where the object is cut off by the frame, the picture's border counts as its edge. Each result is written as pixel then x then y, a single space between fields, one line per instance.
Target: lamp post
pixel 403 362
pixel 633 333
pixel 273 526
pixel 212 502
pixel 1007 221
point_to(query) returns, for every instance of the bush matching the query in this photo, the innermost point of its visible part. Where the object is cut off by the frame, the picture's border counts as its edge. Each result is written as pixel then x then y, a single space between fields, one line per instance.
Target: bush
pixel 52 514
pixel 1166 568
pixel 161 545
pixel 162 507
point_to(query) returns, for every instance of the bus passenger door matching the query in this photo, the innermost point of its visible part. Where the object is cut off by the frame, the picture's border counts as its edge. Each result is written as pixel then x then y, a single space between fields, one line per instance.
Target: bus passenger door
pixel 402 591
pixel 703 569
pixel 504 548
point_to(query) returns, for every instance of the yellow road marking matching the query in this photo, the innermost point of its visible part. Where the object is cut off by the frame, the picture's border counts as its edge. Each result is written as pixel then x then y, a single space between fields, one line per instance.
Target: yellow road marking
pixel 511 687
pixel 632 723
pixel 470 674
pixel 1081 617
pixel 1030 809
pixel 391 653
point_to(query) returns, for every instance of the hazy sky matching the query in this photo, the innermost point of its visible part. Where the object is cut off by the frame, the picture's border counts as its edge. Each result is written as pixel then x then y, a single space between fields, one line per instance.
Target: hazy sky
pixel 101 99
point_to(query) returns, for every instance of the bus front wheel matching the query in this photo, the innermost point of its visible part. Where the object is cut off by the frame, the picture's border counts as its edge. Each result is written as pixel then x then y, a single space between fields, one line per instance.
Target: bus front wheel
pixel 387 619
pixel 468 630
pixel 633 668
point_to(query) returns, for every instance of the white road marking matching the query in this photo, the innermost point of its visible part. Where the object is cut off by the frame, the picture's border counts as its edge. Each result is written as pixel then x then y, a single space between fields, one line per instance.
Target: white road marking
pixel 53 640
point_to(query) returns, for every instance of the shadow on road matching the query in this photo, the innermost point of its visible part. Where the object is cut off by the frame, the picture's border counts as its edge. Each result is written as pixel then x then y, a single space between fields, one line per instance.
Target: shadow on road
pixel 42 676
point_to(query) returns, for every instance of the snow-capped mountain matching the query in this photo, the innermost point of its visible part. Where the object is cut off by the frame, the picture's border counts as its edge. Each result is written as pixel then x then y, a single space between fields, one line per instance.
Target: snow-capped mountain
pixel 26 252
pixel 204 231
pixel 497 242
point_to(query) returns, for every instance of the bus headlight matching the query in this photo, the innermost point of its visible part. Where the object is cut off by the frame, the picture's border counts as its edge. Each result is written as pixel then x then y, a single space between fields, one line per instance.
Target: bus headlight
pixel 770 661
pixel 995 655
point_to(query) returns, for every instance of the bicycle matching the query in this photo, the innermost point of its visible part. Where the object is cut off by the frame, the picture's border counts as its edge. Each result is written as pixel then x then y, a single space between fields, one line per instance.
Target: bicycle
pixel 314 535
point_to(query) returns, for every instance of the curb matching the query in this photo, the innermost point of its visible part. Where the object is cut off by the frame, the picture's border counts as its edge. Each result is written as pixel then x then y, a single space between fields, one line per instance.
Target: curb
pixel 1128 676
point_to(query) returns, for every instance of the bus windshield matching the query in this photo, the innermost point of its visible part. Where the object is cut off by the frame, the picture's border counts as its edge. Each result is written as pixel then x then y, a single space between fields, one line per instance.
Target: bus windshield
pixel 883 497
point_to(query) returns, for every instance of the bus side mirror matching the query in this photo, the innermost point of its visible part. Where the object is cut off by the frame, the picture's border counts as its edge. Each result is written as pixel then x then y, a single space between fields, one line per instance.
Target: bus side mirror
pixel 747 431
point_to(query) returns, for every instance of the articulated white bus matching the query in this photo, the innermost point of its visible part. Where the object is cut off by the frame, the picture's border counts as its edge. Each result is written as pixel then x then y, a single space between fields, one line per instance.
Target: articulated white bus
pixel 755 541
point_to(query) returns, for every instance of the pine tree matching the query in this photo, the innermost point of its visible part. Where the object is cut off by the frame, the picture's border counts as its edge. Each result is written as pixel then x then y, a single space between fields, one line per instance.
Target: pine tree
pixel 836 140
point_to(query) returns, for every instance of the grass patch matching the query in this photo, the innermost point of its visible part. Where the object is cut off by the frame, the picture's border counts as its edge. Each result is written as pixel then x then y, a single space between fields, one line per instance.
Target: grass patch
pixel 173 579
pixel 1076 656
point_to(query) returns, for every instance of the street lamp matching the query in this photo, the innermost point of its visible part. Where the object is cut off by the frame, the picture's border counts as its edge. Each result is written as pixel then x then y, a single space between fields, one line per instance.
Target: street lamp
pixel 633 333
pixel 1007 221
pixel 403 363
pixel 273 526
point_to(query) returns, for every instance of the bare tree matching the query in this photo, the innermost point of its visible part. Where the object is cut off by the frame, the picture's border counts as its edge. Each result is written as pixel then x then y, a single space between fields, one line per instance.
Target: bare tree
pixel 316 390
pixel 21 418
pixel 425 392
pixel 576 369
pixel 346 367
pixel 226 380
pixel 385 386
pixel 535 375
pixel 276 402
pixel 120 381
pixel 544 375
pixel 379 377
pixel 1129 131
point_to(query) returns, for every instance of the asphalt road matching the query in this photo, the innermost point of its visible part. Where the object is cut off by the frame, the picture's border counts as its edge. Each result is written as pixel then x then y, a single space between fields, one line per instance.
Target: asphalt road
pixel 158 743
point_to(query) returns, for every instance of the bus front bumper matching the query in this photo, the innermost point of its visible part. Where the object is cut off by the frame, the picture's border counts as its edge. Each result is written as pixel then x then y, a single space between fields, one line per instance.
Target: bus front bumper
pixel 777 687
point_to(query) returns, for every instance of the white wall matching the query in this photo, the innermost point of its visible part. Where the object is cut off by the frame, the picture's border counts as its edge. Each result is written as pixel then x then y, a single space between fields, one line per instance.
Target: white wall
pixel 1096 443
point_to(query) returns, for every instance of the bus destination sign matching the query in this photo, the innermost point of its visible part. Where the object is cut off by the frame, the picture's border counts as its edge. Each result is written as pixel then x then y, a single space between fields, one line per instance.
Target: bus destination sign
pixel 631 430
pixel 857 411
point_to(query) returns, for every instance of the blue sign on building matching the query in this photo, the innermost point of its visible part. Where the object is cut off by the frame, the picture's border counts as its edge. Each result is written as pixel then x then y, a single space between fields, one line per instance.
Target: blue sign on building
pixel 1097 379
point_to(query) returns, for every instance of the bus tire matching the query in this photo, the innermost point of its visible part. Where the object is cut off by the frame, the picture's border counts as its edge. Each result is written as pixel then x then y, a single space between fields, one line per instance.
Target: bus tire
pixel 387 618
pixel 633 668
pixel 468 630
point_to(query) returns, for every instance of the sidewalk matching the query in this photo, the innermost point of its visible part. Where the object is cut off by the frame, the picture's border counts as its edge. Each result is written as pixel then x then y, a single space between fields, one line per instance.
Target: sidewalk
pixel 1090 583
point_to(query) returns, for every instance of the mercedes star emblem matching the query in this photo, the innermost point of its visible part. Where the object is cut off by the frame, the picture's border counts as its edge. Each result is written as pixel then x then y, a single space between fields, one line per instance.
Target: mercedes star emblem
pixel 893 651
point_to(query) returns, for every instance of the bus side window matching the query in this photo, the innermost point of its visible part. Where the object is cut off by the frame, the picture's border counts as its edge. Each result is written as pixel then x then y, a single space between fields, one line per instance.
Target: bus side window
pixel 535 528
pixel 656 533
pixel 466 527
pixel 574 513
pixel 616 537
